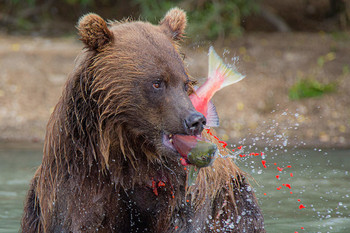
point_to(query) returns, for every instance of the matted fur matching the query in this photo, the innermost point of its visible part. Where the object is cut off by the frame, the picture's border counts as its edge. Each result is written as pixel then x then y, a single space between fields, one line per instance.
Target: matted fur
pixel 103 154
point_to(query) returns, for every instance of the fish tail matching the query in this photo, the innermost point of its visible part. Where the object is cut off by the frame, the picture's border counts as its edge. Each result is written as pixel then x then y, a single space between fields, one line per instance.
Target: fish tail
pixel 230 76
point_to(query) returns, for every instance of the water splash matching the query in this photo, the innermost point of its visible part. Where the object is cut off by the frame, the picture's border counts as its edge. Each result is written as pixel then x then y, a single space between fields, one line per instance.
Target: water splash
pixel 288 169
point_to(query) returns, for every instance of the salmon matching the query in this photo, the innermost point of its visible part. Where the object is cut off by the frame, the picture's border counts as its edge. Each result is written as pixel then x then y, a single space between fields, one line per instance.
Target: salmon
pixel 194 149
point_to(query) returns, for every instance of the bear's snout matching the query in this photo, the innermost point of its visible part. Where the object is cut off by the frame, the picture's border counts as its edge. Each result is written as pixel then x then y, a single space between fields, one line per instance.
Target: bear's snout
pixel 194 123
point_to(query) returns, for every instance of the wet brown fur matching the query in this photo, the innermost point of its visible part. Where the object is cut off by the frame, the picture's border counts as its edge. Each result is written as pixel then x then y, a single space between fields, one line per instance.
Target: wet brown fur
pixel 102 151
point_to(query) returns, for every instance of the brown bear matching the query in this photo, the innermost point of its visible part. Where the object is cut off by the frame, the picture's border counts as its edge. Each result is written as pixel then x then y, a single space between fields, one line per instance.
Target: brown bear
pixel 106 167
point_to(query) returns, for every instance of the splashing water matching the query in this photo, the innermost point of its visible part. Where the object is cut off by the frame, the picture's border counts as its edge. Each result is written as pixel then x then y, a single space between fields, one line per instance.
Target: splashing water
pixel 299 190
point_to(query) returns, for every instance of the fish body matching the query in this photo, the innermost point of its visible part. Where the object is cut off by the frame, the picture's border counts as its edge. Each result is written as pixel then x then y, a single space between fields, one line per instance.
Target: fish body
pixel 195 150
pixel 219 76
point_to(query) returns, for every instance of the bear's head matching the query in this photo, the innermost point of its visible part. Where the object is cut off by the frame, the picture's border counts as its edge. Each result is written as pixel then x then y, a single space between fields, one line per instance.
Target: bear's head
pixel 139 86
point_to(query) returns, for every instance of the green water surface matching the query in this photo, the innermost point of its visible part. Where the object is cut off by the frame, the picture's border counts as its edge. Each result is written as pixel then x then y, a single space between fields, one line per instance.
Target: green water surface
pixel 321 182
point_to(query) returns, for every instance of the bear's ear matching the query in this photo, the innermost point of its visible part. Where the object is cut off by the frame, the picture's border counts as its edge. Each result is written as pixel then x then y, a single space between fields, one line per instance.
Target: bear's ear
pixel 93 31
pixel 174 23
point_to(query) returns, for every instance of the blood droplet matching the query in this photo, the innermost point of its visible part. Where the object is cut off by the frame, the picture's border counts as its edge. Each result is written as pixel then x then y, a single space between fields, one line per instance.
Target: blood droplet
pixel 263 163
pixel 291 174
pixel 155 191
pixel 302 228
pixel 224 144
pixel 279 188
pixel 239 148
pixel 288 186
pixel 291 192
pixel 289 166
pixel 279 169
pixel 277 176
pixel 301 206
pixel 275 164
pixel 265 194
pixel 183 162
pixel 298 200
pixel 154 188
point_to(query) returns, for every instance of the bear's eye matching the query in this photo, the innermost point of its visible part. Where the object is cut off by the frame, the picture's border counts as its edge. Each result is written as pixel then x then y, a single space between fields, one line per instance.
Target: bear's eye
pixel 189 84
pixel 186 86
pixel 157 84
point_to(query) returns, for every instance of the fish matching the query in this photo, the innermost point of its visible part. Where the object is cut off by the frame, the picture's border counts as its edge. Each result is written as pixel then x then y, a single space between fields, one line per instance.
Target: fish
pixel 196 150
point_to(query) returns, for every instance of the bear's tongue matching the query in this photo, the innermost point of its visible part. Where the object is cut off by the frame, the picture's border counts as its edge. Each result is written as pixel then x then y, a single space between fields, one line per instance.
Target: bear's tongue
pixel 180 143
pixel 184 144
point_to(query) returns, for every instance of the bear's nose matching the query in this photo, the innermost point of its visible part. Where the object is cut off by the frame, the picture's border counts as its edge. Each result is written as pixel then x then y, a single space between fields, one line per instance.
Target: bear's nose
pixel 194 123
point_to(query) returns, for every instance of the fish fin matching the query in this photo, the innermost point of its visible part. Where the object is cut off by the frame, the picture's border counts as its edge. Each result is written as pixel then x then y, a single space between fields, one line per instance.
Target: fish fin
pixel 231 76
pixel 212 116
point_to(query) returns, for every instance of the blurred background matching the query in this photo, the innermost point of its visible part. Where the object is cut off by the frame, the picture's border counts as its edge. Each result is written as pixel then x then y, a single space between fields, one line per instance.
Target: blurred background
pixel 295 53
pixel 293 107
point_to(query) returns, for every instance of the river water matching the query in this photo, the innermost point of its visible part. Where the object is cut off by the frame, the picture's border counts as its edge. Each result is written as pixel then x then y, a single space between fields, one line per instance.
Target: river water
pixel 320 181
